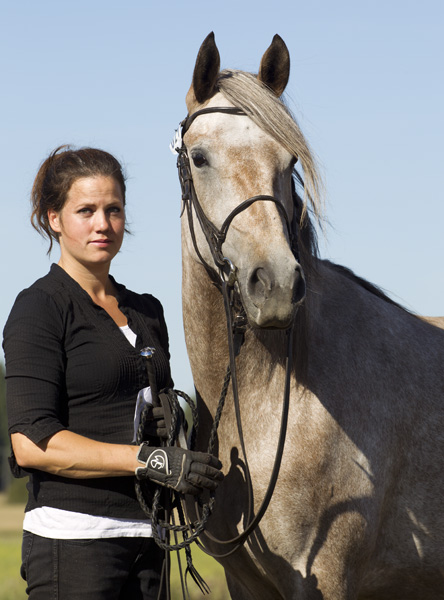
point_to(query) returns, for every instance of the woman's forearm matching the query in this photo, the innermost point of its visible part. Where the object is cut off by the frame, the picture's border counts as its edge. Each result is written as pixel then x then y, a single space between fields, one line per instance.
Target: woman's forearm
pixel 71 455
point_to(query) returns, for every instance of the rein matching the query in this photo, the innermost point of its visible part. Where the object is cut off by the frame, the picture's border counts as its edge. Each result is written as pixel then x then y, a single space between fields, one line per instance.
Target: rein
pixel 224 276
pixel 234 349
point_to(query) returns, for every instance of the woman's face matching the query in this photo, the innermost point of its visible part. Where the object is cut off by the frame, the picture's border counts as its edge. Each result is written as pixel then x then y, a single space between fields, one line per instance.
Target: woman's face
pixel 91 223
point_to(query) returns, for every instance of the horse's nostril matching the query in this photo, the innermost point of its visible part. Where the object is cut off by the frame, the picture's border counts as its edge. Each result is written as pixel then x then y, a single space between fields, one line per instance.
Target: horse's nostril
pixel 275 294
pixel 260 285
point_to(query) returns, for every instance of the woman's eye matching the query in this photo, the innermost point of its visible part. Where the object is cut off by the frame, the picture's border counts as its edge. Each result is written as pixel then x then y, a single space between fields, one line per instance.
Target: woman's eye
pixel 199 160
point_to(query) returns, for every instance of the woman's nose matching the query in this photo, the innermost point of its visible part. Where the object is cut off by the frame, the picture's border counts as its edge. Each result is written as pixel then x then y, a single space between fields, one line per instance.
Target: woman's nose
pixel 101 221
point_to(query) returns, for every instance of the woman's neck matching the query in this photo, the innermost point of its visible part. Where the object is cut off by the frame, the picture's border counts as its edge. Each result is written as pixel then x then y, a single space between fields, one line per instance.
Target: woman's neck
pixel 95 282
pixel 98 286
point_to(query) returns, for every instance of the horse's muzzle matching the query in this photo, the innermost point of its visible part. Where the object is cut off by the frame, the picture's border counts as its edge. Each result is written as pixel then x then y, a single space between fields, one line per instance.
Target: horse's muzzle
pixel 270 298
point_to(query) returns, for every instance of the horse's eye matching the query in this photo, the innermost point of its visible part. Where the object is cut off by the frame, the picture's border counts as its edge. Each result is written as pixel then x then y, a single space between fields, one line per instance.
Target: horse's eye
pixel 199 160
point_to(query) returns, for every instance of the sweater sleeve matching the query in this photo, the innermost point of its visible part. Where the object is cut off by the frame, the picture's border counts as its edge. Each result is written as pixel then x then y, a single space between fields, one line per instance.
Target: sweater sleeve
pixel 34 355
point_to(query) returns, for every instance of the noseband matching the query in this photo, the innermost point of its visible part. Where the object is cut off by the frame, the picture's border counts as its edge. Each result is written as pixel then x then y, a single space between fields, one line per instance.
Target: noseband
pixel 216 237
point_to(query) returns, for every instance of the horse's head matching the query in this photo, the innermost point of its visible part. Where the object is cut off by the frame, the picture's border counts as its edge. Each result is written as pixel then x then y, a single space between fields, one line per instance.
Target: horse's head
pixel 235 157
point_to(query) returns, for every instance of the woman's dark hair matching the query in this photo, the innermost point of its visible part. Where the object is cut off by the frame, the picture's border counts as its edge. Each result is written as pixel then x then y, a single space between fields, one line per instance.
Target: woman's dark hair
pixel 56 176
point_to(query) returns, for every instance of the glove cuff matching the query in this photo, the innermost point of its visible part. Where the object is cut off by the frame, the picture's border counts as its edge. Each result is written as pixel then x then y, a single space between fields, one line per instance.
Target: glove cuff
pixel 144 451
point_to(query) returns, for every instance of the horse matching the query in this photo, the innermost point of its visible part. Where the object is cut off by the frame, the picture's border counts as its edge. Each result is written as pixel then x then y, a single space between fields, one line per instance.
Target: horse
pixel 357 511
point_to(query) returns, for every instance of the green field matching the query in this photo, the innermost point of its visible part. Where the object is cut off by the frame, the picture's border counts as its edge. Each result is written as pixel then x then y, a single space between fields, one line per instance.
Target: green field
pixel 12 587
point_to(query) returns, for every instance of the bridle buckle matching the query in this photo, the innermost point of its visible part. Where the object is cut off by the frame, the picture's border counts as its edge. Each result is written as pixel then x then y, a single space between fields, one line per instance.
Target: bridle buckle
pixel 232 274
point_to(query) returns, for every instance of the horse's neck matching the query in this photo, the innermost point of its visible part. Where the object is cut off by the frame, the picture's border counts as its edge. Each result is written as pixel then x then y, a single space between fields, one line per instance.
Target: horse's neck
pixel 338 313
pixel 261 361
pixel 204 325
pixel 354 331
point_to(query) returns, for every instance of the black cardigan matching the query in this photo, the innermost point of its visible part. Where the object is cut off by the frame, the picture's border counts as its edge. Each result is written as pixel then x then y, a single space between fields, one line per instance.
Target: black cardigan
pixel 68 366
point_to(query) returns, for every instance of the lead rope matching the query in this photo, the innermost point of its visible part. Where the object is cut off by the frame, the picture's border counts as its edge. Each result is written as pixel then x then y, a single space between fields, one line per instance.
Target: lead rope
pixel 190 531
pixel 171 500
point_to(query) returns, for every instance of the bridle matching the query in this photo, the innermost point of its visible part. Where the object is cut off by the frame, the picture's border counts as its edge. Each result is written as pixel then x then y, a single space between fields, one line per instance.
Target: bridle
pixel 224 276
pixel 216 237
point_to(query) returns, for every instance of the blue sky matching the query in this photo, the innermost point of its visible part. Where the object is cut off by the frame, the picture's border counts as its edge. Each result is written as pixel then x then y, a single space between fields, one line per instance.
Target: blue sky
pixel 366 86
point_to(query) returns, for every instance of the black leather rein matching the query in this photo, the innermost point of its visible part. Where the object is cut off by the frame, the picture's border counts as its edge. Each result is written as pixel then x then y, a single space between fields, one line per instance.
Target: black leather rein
pixel 224 278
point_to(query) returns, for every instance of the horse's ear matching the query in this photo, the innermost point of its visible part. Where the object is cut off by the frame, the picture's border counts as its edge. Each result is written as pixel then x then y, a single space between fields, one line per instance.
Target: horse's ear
pixel 275 66
pixel 206 71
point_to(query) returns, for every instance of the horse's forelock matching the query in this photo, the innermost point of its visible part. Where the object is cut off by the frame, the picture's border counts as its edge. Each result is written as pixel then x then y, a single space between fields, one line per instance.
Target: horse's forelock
pixel 270 113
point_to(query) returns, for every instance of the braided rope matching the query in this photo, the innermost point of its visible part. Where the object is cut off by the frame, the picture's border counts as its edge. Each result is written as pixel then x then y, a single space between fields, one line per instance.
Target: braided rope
pixel 191 531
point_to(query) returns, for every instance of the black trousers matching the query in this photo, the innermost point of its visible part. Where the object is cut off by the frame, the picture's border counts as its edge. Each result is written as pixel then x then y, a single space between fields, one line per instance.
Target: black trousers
pixel 104 569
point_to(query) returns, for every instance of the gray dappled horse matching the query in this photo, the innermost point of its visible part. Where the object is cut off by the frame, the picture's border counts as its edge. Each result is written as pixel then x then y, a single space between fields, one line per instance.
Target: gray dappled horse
pixel 358 509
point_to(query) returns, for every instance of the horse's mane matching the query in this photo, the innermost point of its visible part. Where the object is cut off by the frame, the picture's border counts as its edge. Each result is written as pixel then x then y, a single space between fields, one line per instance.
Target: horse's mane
pixel 308 247
pixel 270 113
pixel 370 287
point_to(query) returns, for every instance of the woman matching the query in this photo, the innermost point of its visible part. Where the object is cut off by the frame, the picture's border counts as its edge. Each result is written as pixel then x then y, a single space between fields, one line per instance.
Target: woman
pixel 73 373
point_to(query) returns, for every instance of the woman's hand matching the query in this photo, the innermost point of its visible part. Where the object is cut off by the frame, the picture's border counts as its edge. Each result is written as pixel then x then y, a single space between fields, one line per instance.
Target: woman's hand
pixel 156 425
pixel 182 470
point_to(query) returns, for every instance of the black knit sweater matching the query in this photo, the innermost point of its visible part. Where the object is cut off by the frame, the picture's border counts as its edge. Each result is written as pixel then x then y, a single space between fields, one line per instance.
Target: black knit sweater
pixel 68 366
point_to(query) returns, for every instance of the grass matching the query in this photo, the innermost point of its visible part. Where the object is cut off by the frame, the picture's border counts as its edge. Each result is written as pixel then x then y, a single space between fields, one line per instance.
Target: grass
pixel 208 568
pixel 12 587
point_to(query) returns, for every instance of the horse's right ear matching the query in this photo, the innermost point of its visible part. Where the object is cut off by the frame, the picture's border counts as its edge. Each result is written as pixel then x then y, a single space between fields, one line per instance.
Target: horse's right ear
pixel 274 70
pixel 205 73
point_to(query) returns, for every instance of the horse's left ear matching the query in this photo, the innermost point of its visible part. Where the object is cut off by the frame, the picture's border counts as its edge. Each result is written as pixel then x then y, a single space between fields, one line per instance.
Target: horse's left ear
pixel 275 66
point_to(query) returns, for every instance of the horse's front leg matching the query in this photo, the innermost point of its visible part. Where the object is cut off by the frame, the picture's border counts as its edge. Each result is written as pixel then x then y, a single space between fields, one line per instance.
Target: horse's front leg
pixel 283 582
pixel 329 567
pixel 332 564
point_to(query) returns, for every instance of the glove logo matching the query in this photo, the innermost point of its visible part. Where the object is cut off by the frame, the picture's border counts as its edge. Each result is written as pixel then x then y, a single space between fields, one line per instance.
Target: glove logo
pixel 158 461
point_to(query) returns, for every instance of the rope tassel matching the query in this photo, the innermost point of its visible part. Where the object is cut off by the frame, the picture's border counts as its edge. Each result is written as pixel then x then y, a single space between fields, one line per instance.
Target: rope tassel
pixel 194 574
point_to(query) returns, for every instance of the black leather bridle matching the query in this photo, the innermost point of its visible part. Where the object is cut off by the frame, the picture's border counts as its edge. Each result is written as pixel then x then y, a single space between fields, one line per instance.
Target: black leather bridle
pixel 225 278
pixel 216 237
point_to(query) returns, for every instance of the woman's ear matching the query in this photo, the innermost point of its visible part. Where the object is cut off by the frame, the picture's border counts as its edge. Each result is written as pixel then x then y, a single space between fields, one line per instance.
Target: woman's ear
pixel 54 220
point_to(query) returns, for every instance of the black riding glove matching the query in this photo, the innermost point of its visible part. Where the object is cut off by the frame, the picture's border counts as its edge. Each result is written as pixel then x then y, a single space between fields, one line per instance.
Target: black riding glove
pixel 182 470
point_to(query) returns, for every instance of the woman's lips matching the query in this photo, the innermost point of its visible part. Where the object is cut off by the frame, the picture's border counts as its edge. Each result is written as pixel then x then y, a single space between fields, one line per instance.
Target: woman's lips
pixel 101 242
